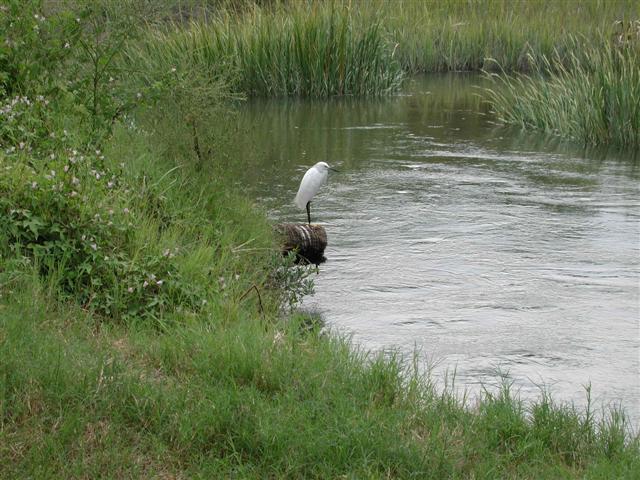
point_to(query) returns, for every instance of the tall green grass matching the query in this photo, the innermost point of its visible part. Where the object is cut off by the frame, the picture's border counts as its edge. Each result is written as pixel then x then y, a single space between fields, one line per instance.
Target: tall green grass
pixel 229 396
pixel 359 47
pixel 320 51
pixel 453 35
pixel 592 99
pixel 339 48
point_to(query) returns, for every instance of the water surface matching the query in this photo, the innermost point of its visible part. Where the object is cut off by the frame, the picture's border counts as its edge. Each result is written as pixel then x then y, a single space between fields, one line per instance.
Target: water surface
pixel 485 248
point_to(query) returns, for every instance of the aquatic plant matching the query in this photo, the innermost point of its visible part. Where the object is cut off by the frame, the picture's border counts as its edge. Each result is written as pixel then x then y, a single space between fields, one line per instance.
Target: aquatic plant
pixel 450 35
pixel 590 96
pixel 421 35
pixel 319 52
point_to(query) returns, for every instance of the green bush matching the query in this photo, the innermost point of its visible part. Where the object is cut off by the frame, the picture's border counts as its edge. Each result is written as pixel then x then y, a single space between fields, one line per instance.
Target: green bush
pixel 73 218
pixel 34 47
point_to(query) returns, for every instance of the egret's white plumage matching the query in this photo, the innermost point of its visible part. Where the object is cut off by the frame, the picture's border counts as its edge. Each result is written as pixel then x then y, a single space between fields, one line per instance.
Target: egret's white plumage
pixel 313 179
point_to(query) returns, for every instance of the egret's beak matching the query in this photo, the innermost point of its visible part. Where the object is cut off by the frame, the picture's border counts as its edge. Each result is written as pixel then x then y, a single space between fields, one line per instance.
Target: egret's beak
pixel 334 170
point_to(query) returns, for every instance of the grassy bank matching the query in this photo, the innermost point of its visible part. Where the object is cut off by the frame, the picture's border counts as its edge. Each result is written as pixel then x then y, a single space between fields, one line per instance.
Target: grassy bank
pixel 473 35
pixel 144 320
pixel 228 395
pixel 367 47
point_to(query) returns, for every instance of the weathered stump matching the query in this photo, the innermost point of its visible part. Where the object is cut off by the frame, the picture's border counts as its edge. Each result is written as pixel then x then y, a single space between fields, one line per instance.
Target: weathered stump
pixel 307 241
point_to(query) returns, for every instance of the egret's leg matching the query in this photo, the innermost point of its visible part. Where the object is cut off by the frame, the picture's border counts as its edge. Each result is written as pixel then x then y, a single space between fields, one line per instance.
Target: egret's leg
pixel 309 212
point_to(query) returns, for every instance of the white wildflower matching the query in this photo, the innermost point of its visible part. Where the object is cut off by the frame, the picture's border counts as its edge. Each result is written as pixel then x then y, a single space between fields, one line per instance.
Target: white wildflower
pixel 278 338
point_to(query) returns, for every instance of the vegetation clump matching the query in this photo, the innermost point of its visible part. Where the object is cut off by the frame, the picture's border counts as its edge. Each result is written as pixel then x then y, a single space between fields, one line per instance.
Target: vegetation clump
pixel 292 52
pixel 91 200
pixel 591 97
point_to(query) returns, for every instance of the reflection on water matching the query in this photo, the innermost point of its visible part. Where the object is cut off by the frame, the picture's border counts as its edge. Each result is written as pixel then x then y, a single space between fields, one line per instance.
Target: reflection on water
pixel 483 247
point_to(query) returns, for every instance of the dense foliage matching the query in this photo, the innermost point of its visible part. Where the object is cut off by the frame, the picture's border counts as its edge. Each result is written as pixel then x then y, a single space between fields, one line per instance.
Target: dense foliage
pixel 92 201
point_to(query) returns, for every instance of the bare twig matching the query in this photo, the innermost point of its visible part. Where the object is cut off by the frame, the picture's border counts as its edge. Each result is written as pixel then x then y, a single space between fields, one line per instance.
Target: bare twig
pixel 253 287
pixel 196 143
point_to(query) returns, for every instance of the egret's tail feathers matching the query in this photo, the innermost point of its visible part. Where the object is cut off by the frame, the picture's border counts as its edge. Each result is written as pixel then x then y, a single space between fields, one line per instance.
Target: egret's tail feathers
pixel 300 203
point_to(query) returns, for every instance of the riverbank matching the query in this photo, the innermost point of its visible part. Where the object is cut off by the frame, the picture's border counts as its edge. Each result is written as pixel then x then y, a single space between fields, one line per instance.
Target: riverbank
pixel 233 395
pixel 577 63
pixel 142 328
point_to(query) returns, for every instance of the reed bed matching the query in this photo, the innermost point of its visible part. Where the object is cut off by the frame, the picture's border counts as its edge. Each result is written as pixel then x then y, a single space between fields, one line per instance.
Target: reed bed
pixel 319 53
pixel 341 47
pixel 286 48
pixel 593 99
pixel 579 85
pixel 452 35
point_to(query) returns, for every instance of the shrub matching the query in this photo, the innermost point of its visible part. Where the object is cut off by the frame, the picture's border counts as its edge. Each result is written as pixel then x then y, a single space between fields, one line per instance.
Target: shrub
pixel 74 218
pixel 34 46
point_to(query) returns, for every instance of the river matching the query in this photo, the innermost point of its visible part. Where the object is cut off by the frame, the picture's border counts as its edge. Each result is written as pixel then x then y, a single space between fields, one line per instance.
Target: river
pixel 489 251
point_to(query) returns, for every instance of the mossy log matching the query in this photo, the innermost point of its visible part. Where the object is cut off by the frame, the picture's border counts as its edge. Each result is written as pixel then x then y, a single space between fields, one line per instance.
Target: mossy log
pixel 308 241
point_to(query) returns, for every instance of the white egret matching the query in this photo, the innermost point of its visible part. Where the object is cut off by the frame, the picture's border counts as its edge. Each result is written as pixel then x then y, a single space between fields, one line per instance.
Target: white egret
pixel 313 179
